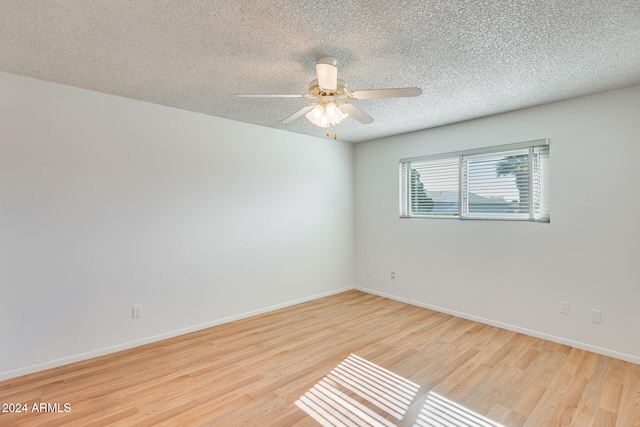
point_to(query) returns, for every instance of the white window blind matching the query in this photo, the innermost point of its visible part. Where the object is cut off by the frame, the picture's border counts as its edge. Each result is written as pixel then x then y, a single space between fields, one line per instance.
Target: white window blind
pixel 506 182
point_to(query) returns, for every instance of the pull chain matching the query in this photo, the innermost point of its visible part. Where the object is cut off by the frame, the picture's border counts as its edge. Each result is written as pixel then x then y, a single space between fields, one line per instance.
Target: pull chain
pixel 335 135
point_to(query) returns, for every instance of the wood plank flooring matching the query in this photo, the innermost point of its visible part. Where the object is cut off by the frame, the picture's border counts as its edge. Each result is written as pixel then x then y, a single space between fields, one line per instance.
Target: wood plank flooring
pixel 252 371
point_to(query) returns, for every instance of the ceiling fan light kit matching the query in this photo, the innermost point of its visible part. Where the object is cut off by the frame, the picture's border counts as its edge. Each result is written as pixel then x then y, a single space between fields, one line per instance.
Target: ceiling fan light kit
pixel 332 105
pixel 326 113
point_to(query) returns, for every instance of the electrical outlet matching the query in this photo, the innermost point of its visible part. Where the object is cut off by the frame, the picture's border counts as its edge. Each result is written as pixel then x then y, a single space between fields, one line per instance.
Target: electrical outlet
pixel 564 307
pixel 393 275
pixel 136 311
pixel 596 316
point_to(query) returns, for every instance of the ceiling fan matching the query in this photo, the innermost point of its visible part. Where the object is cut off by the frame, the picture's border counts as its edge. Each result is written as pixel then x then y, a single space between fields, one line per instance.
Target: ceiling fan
pixel 331 99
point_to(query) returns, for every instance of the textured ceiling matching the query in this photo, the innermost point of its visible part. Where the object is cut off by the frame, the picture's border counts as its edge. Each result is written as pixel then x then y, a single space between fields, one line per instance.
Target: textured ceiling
pixel 471 58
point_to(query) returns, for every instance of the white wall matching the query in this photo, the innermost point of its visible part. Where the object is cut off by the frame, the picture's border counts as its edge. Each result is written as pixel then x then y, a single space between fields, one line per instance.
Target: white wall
pixel 589 255
pixel 108 202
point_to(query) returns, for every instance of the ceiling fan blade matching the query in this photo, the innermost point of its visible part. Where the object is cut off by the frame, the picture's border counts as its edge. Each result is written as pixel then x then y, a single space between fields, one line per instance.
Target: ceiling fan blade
pixel 327 73
pixel 356 113
pixel 385 93
pixel 300 112
pixel 249 95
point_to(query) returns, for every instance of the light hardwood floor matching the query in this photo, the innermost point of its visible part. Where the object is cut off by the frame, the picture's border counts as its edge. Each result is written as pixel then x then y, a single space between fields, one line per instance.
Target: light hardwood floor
pixel 252 371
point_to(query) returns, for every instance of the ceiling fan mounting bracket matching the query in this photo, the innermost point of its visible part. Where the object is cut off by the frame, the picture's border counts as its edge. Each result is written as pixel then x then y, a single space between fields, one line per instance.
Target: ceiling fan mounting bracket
pixel 328 60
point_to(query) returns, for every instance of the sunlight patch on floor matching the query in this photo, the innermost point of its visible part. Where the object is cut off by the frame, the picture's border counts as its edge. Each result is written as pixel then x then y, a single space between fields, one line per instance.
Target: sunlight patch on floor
pixel 358 392
pixel 438 411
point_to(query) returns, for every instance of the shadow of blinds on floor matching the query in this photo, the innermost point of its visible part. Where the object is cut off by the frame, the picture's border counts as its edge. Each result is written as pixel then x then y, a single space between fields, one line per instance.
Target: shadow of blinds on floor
pixel 439 411
pixel 358 392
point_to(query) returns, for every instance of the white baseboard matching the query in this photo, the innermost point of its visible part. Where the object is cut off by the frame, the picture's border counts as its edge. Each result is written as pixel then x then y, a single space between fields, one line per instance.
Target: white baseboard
pixel 125 346
pixel 537 334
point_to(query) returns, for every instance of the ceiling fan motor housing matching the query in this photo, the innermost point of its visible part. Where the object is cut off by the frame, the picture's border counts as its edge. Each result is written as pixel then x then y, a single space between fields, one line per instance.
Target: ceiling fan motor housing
pixel 339 92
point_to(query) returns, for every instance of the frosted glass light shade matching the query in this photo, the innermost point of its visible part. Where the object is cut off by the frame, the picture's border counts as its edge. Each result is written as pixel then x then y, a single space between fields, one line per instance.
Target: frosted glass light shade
pixel 326 114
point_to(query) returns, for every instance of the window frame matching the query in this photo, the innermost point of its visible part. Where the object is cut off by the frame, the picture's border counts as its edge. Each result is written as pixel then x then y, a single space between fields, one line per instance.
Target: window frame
pixel 463 156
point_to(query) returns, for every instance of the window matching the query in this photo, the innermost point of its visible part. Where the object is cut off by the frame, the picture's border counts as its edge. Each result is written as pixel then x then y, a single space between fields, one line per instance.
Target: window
pixel 509 182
